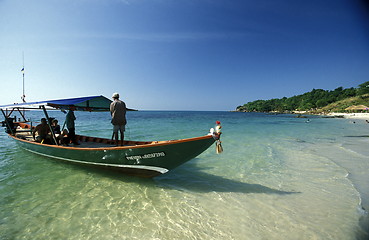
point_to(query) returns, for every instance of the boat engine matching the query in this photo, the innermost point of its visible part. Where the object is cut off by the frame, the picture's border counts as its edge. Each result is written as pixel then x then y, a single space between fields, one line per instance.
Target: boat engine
pixel 9 124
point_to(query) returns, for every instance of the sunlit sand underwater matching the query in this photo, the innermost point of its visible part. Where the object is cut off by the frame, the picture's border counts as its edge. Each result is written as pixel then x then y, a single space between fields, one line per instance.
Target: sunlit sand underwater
pixel 279 177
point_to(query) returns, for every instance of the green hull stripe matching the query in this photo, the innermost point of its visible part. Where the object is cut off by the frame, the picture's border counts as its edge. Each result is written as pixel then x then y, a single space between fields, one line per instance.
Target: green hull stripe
pixel 156 169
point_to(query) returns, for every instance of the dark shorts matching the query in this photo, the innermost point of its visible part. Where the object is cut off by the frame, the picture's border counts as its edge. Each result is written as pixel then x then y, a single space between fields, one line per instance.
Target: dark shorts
pixel 43 139
pixel 117 128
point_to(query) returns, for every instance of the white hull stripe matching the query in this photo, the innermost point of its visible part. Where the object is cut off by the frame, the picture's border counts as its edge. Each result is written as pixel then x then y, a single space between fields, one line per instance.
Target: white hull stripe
pixel 156 169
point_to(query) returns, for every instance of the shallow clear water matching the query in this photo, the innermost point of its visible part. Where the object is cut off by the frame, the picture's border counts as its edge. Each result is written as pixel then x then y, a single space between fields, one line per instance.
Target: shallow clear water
pixel 279 177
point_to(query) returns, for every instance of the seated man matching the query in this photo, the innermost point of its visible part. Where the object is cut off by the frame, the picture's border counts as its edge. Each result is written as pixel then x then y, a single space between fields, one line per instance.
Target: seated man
pixel 56 127
pixel 42 130
pixel 63 138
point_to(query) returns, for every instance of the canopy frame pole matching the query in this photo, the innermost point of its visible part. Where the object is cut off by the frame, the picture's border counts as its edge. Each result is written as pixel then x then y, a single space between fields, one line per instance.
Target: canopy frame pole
pixel 49 123
pixel 22 114
pixel 8 114
pixel 7 123
pixel 65 122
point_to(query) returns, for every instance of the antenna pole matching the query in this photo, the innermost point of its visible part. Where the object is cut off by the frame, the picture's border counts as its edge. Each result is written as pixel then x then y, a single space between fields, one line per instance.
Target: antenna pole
pixel 23 96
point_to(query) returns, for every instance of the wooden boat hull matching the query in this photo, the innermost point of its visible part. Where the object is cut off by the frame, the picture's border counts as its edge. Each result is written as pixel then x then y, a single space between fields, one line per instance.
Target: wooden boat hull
pixel 146 159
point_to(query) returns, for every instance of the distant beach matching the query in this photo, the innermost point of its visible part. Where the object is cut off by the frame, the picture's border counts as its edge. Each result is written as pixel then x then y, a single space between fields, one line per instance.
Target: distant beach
pixel 364 116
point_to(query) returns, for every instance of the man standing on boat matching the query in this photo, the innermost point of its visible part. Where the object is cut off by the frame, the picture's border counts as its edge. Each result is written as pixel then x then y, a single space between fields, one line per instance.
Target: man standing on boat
pixel 70 125
pixel 118 113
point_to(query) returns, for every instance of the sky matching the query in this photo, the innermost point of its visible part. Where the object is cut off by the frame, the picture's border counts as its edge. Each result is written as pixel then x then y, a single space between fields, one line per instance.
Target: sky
pixel 181 54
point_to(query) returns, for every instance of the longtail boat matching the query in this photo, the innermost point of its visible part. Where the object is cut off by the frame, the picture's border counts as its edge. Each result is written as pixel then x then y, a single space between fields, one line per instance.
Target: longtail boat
pixel 138 158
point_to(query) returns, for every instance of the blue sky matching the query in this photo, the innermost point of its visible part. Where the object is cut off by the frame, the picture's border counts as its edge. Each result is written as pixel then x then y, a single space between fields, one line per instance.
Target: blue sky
pixel 182 54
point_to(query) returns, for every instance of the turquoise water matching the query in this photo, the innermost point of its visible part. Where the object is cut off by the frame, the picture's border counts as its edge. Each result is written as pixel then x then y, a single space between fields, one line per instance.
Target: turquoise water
pixel 279 177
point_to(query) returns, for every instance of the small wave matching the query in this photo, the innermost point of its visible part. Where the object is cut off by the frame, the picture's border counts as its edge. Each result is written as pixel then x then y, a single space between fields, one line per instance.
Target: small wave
pixel 351 151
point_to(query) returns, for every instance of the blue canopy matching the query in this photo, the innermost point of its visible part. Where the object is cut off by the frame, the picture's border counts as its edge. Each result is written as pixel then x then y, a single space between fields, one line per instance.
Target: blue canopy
pixel 93 103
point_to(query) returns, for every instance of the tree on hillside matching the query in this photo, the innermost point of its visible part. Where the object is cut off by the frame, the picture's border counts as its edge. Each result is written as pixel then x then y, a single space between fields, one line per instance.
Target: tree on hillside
pixel 316 98
pixel 363 88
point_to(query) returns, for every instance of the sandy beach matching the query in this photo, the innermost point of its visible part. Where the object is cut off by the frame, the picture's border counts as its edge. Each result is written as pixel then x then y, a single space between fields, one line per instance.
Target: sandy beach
pixel 364 116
